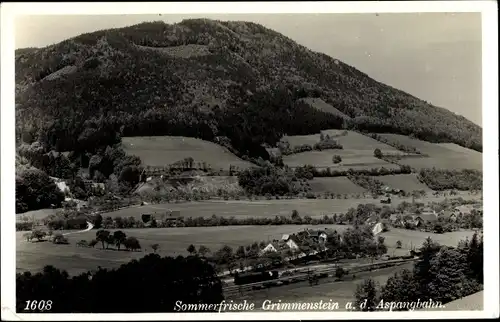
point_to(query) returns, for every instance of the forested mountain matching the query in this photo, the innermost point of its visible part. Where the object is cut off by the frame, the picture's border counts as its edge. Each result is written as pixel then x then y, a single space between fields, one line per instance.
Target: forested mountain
pixel 206 79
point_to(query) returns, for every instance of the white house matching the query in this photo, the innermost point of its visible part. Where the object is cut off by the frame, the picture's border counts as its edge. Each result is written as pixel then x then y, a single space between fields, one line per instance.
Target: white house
pixel 269 248
pixel 292 244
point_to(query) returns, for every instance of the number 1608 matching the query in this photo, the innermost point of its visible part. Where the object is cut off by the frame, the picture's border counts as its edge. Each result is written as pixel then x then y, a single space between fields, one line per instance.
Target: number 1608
pixel 38 305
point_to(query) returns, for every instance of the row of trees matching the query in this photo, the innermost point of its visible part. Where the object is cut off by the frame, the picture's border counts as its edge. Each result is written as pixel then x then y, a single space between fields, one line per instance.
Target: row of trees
pixel 370 184
pixel 117 239
pixel 325 142
pixel 451 179
pixel 443 274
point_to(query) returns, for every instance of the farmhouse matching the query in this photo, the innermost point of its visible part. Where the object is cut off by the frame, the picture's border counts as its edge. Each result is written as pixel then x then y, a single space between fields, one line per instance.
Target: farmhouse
pixel 372 220
pixel 271 247
pixel 463 210
pixel 448 215
pixel 318 236
pixel 424 218
pixel 396 219
pixel 292 242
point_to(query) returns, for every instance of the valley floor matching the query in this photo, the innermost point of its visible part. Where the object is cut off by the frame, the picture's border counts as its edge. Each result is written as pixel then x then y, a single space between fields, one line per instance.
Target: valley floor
pixel 270 208
pixel 33 256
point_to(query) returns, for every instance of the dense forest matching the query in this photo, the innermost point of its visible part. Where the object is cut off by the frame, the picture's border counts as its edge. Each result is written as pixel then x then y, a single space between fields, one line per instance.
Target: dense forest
pixel 187 279
pixel 244 82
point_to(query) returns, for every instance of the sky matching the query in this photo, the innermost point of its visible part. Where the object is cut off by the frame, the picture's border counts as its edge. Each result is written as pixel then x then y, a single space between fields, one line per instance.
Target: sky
pixel 433 56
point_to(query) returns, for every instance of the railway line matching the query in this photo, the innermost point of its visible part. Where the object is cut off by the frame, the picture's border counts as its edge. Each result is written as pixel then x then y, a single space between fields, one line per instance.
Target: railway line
pixel 304 275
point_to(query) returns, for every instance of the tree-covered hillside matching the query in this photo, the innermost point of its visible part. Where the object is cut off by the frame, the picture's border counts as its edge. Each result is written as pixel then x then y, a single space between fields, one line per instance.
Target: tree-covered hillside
pixel 206 79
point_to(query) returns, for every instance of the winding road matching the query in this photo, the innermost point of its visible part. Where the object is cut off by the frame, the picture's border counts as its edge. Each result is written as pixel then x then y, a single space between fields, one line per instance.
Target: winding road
pixel 89 227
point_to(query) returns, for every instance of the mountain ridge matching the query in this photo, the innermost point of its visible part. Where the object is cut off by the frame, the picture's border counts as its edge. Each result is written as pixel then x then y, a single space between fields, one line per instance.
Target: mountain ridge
pixel 135 82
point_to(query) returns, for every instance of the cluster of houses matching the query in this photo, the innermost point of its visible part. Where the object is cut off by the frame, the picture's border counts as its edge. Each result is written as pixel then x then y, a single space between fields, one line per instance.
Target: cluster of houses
pixel 425 217
pixel 304 243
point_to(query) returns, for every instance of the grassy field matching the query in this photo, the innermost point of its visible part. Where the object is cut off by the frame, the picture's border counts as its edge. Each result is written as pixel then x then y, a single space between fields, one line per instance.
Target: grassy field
pixel 357 152
pixel 335 185
pixel 36 214
pixel 350 159
pixel 406 182
pixel 165 150
pixel 269 208
pixel 441 156
pixel 174 241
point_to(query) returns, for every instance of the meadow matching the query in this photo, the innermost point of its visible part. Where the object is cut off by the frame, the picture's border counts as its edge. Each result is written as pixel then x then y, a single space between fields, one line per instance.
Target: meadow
pixel 166 150
pixel 441 156
pixel 355 159
pixel 265 208
pixel 357 152
pixel 340 185
pixel 174 241
pixel 406 182
pixel 36 214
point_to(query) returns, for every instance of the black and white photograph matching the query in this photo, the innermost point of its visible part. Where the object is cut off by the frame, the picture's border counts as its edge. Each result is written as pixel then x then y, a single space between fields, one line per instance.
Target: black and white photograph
pixel 326 160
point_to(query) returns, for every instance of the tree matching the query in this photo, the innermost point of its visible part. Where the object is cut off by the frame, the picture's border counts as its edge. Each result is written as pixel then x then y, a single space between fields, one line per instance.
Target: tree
pixel 36 190
pixel 203 250
pixel 401 287
pixel 93 242
pixel 97 221
pixel 58 238
pixel 240 252
pixel 339 273
pixel 447 276
pixel 38 234
pixel 377 153
pixel 399 244
pixel 381 247
pixel 191 250
pixel 155 247
pixel 102 236
pixel 366 296
pixel 295 215
pixel 119 237
pixel 131 243
pixel 336 159
pixel 110 240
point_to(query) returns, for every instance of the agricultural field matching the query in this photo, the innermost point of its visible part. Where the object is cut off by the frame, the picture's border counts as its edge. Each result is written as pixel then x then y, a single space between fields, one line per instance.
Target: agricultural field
pixel 460 149
pixel 36 214
pixel 174 241
pixel 267 208
pixel 359 142
pixel 166 150
pixel 350 159
pixel 406 182
pixel 296 140
pixel 441 156
pixel 341 185
pixel 357 152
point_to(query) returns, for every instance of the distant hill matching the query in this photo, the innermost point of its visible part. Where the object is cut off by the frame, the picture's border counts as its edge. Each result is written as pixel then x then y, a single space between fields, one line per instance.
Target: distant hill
pixel 208 79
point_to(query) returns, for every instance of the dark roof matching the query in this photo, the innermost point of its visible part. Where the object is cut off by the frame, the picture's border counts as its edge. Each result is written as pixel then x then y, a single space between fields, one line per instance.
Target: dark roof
pixel 446 214
pixel 427 217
